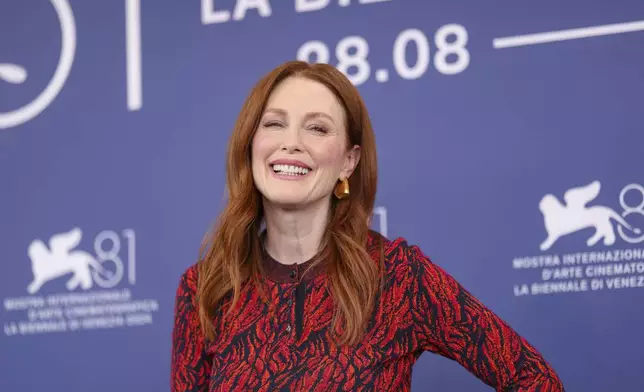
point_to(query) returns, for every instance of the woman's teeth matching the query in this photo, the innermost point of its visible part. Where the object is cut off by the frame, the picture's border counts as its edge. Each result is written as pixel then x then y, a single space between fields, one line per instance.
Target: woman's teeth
pixel 290 170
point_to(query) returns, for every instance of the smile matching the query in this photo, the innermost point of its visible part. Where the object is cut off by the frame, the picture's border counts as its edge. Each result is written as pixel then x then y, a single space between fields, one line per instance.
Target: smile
pixel 290 170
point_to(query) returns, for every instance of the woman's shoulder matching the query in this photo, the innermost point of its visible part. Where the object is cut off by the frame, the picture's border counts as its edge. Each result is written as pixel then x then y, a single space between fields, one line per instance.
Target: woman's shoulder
pixel 188 280
pixel 405 261
pixel 397 252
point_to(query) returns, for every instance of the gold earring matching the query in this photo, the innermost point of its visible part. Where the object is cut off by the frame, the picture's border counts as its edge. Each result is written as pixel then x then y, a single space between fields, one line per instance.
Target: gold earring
pixel 342 189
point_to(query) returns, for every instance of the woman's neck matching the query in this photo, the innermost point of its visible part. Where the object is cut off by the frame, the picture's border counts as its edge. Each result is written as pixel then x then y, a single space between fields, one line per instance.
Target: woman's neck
pixel 294 235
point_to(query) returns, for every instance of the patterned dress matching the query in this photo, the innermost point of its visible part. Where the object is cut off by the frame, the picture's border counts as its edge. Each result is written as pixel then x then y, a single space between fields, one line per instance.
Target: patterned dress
pixel 286 346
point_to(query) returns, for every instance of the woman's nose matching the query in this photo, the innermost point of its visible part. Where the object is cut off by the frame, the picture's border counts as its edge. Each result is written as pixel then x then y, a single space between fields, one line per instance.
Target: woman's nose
pixel 292 141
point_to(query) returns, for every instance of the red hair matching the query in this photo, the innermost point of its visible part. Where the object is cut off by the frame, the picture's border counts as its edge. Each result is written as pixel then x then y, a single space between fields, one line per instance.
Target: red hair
pixel 232 252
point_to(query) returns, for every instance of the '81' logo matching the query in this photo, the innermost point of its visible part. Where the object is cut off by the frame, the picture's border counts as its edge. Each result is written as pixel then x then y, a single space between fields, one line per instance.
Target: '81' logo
pixel 106 267
pixel 630 209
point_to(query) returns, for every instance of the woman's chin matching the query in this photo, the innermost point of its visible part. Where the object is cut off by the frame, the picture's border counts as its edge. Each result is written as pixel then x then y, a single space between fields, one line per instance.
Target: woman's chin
pixel 289 201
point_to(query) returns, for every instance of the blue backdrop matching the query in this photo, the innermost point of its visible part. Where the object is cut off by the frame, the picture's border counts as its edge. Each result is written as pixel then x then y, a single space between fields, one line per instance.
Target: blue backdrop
pixel 510 149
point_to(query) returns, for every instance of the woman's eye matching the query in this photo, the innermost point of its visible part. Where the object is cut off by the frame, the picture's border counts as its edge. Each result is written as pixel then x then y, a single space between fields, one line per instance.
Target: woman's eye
pixel 271 124
pixel 318 128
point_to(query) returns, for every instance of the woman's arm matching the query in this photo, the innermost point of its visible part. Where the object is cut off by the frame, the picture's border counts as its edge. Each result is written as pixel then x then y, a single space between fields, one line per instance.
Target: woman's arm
pixel 450 321
pixel 190 370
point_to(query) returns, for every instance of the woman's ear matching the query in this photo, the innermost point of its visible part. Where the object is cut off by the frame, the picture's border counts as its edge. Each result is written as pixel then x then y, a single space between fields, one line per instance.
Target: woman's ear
pixel 351 161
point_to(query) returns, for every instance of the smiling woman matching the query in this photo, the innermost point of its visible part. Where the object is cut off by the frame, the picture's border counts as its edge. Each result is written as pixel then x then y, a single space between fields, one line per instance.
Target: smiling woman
pixel 302 139
pixel 295 292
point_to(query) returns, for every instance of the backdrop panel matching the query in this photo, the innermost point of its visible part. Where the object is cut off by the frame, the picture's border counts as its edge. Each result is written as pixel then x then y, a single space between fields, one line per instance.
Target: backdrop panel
pixel 510 149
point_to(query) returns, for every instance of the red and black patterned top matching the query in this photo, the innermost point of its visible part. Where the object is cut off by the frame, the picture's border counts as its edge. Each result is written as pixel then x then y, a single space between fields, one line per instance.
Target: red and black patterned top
pixel 286 347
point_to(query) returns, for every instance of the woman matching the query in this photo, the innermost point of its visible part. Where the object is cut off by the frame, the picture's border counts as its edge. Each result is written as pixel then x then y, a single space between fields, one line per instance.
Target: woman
pixel 295 293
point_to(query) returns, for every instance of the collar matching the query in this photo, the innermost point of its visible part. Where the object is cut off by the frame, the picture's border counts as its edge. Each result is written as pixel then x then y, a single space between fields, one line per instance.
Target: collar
pixel 291 273
pixel 309 269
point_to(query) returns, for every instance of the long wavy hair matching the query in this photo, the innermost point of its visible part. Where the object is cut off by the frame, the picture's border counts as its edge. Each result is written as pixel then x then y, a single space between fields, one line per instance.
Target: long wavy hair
pixel 231 252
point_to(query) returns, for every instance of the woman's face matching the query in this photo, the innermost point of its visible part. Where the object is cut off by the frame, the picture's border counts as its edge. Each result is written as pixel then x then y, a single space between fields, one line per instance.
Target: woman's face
pixel 300 148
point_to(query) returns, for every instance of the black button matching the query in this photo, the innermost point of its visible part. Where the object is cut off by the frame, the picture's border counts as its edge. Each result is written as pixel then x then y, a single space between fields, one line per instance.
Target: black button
pixel 292 274
pixel 290 302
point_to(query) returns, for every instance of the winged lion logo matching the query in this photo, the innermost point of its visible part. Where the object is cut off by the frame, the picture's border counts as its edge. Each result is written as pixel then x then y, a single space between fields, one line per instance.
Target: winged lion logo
pixel 575 215
pixel 60 259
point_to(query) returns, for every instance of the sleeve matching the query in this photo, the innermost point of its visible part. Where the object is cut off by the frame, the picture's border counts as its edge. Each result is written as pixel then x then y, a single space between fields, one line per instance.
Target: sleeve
pixel 451 322
pixel 190 368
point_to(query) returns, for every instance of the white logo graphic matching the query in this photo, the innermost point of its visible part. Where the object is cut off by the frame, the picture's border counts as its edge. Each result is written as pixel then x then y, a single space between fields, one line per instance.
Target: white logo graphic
pixel 16 74
pixel 60 259
pixel 381 212
pixel 561 220
pixel 82 307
